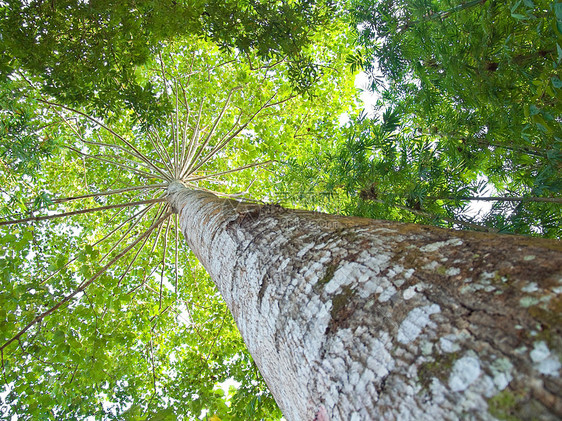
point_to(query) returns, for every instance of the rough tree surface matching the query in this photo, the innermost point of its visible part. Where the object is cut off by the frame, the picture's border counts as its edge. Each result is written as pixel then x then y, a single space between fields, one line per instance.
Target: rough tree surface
pixel 355 319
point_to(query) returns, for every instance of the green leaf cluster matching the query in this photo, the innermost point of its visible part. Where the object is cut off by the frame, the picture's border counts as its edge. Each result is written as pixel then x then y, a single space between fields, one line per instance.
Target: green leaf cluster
pixel 475 87
pixel 86 53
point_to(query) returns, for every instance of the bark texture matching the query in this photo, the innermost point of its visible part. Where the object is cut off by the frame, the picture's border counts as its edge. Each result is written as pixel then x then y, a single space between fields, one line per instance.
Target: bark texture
pixel 358 319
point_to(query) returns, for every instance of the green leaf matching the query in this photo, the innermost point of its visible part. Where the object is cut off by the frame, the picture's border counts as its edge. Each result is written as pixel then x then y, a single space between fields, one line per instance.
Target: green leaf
pixel 514 8
pixel 533 110
pixel 518 16
pixel 59 337
pixel 7 239
pixel 164 415
pixel 558 10
pixel 556 82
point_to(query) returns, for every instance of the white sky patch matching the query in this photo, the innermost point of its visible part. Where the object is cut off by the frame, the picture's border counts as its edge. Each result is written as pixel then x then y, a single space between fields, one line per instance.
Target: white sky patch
pixel 184 316
pixel 3 396
pixel 343 119
pixel 225 386
pixel 165 281
pixel 369 98
pixel 479 208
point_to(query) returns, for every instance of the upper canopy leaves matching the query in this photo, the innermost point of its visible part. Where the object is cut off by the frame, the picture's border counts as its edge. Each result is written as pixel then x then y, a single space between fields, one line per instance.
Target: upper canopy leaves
pixel 87 52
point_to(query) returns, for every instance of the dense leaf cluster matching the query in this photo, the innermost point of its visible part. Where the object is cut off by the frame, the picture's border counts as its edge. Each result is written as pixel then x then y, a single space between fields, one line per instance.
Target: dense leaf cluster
pixel 21 148
pixel 88 52
pixel 477 85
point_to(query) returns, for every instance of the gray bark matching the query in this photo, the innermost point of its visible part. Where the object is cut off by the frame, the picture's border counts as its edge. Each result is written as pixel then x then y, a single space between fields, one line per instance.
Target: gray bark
pixel 358 319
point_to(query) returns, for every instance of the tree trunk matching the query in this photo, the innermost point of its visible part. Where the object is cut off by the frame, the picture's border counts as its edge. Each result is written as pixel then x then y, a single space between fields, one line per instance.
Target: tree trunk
pixel 357 319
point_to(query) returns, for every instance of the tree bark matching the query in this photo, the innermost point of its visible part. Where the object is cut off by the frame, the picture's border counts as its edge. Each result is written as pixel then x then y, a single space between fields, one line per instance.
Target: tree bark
pixel 356 319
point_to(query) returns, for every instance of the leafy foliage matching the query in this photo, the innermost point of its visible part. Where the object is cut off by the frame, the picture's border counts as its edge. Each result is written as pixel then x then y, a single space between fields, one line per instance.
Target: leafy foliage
pixel 21 150
pixel 87 52
pixel 108 314
pixel 383 169
pixel 474 89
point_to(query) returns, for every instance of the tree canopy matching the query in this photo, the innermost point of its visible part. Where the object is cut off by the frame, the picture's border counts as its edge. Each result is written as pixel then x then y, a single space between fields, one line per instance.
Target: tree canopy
pixel 468 108
pixel 104 311
pixel 87 52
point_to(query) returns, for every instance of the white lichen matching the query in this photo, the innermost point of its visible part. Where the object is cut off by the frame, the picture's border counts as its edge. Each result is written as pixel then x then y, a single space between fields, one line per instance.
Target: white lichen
pixel 452 271
pixel 432 247
pixel 415 321
pixel 409 292
pixel 465 372
pixel 543 360
pixel 486 276
pixel 394 271
pixel 305 249
pixel 427 348
pixel 343 276
pixel 448 344
pixel 399 282
pixel 532 287
pixel 528 301
pixel 380 361
pixel 501 370
pixel 387 294
pixel 431 266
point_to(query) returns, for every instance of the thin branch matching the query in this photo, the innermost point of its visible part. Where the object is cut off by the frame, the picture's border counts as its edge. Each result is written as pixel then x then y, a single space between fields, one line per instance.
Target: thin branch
pixel 127 151
pixel 175 135
pixel 156 239
pixel 160 150
pixel 102 144
pixel 3 366
pixel 100 124
pixel 122 238
pixel 96 243
pixel 109 192
pixel 143 282
pixel 163 262
pixel 216 337
pixel 523 149
pixel 82 211
pixel 244 167
pixel 430 215
pixel 83 285
pixel 131 161
pixel 116 214
pixel 193 143
pixel 229 138
pixel 499 199
pixel 117 164
pixel 212 131
pixel 221 194
pixel 139 250
pixel 153 367
pixel 185 126
pixel 176 253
